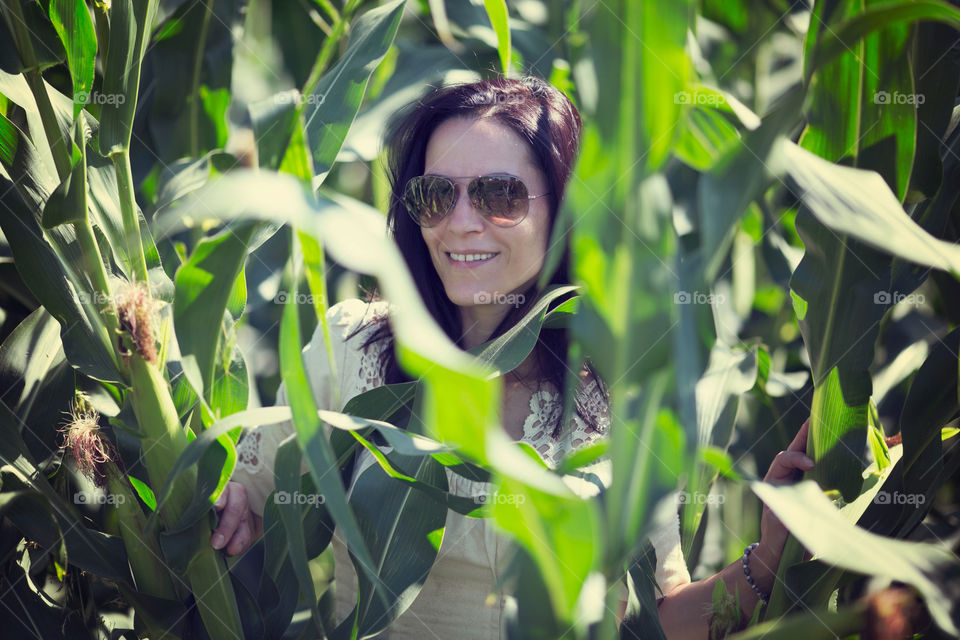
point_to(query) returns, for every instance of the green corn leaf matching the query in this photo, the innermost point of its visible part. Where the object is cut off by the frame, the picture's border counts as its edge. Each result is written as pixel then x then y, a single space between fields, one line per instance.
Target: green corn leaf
pixel 873 78
pixel 931 403
pixel 706 137
pixel 738 179
pixel 16 89
pixel 333 104
pixel 131 23
pixel 68 203
pixel 877 447
pixel 838 40
pixel 396 522
pixel 641 620
pixel 551 526
pixel 654 43
pixel 203 287
pixel 509 350
pixel 72 21
pixel 860 204
pixel 39 382
pixel 50 270
pixel 938 84
pixel 500 21
pixel 814 625
pixel 90 550
pixel 192 62
pixel 44 41
pixel 287 472
pixel 730 373
pixel 145 492
pixel 812 518
pixel 314 444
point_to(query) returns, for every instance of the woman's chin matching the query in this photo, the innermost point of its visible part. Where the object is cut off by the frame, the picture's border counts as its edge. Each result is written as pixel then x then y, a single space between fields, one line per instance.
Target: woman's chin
pixel 466 299
pixel 470 297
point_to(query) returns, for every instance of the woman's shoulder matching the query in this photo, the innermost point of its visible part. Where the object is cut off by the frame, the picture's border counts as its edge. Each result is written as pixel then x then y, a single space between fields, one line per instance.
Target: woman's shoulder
pixel 351 323
pixel 353 316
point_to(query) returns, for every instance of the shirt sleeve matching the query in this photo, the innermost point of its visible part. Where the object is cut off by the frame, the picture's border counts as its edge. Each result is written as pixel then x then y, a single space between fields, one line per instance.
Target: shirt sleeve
pixel 671 569
pixel 257 449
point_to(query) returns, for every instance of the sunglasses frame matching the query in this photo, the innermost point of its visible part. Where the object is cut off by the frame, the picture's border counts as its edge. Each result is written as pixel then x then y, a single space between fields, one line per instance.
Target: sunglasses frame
pixel 456 197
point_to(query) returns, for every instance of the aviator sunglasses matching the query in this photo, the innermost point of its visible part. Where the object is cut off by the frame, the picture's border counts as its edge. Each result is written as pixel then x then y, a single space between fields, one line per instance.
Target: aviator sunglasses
pixel 501 198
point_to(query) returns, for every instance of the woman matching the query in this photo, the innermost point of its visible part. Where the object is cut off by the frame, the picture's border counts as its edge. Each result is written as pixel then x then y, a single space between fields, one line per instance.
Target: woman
pixel 478 172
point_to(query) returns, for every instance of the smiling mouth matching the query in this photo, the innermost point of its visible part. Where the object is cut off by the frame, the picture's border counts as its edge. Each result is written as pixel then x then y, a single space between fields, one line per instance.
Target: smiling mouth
pixel 470 258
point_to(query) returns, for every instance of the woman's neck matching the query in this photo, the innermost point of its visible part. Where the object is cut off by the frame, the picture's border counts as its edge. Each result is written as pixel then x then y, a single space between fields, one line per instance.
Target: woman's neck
pixel 479 322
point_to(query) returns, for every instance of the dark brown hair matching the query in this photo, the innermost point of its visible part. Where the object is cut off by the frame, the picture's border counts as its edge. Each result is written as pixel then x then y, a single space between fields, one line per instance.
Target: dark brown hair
pixel 550 124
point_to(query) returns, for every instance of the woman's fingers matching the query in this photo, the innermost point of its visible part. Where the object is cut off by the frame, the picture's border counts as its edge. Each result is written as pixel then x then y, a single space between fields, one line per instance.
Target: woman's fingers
pixel 234 509
pixel 242 537
pixel 800 440
pixel 786 465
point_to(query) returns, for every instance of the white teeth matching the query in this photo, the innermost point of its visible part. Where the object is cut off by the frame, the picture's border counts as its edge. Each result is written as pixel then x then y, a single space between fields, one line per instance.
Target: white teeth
pixel 470 257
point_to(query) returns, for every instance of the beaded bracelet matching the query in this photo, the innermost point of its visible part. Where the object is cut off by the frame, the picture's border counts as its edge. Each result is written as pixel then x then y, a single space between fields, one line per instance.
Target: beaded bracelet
pixel 746 572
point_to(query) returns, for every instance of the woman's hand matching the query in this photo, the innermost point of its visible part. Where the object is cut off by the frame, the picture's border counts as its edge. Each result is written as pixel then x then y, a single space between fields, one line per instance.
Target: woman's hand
pixel 787 467
pixel 238 526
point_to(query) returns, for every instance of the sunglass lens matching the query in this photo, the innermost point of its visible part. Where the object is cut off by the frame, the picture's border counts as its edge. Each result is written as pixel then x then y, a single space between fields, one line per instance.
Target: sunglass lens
pixel 429 198
pixel 503 199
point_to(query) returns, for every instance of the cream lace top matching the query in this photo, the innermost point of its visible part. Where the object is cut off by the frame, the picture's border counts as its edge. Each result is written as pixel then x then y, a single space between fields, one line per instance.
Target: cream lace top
pixel 455 600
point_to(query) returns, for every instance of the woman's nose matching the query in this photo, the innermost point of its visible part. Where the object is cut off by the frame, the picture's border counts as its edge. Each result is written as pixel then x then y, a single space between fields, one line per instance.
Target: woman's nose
pixel 463 217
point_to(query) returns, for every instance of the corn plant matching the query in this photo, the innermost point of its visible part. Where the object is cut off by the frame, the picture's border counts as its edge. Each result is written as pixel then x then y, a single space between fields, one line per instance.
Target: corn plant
pixel 843 179
pixel 84 247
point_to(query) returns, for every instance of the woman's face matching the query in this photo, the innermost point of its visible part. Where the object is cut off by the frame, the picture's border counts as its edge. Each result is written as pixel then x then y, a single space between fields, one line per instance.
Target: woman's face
pixel 465 147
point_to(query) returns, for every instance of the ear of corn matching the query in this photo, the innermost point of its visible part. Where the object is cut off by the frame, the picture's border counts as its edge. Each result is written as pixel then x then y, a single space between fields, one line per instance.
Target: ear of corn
pixel 164 440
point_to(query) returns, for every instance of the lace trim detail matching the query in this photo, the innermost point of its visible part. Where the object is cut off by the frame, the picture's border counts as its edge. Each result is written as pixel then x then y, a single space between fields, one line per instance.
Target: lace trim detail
pixel 248 453
pixel 370 375
pixel 545 412
pixel 546 409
